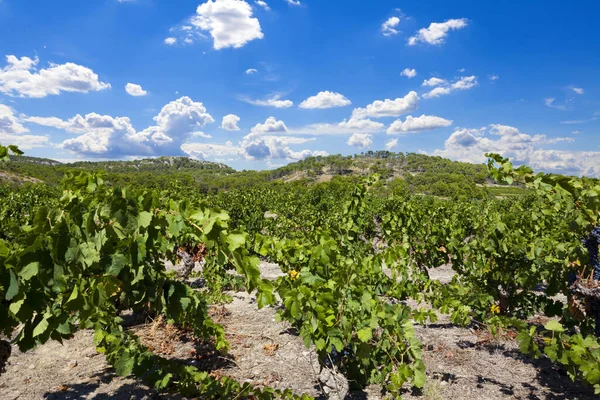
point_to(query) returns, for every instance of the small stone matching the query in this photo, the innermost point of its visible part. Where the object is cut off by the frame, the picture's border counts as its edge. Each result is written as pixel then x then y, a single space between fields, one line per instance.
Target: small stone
pixel 31 366
pixel 72 363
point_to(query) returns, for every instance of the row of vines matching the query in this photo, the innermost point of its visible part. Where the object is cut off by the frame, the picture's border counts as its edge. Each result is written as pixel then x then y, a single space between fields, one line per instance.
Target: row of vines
pixel 352 252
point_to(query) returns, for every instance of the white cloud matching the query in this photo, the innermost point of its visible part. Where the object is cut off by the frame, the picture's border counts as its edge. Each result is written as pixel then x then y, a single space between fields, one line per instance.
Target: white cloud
pixel 345 127
pixel 272 102
pixel 206 151
pixel 271 125
pixel 293 2
pixel 582 121
pixel 434 82
pixel 325 99
pixel 388 28
pixel 170 41
pixel 135 90
pixel 106 136
pixel 13 132
pixel 470 145
pixel 461 70
pixel 251 71
pixel 418 124
pixel 230 122
pixel 361 124
pixel 21 78
pixel 576 132
pixel 261 143
pixel 9 123
pixel 263 5
pixel 391 144
pixel 437 92
pixel 493 77
pixel 229 22
pixel 201 134
pixel 388 108
pixel 549 102
pixel 409 73
pixel 578 90
pixel 360 140
pixel 464 83
pixel 437 31
pixel 444 88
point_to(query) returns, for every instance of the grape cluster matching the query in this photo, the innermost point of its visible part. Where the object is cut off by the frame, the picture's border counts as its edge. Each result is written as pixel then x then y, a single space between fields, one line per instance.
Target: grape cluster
pixel 336 358
pixel 591 243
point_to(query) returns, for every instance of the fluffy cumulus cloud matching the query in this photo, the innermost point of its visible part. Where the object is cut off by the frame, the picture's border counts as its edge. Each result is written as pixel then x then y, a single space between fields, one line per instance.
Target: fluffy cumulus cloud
pixel 170 41
pixel 21 77
pixel 389 27
pixel 443 87
pixel 388 108
pixel 229 22
pixel 270 140
pixel 409 72
pixel 360 140
pixel 251 71
pixel 206 151
pixel 433 82
pixel 418 124
pixel 274 101
pixel 293 2
pixel 13 132
pixel 135 90
pixel 345 127
pixel 470 145
pixel 230 122
pixel 391 144
pixel 437 31
pixel 325 99
pixel 106 136
pixel 578 90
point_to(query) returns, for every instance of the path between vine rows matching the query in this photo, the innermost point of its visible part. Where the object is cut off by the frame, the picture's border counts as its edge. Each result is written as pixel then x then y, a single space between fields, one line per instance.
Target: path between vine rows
pixel 461 363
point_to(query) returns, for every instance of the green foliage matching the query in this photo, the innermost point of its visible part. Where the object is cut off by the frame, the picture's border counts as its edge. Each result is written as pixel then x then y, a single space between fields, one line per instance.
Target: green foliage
pixel 352 252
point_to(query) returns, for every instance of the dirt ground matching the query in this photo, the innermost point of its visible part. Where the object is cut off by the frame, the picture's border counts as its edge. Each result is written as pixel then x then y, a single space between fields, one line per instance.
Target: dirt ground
pixel 461 363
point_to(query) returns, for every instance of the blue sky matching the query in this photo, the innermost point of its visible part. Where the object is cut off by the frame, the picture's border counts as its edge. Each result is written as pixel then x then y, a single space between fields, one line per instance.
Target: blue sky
pixel 110 79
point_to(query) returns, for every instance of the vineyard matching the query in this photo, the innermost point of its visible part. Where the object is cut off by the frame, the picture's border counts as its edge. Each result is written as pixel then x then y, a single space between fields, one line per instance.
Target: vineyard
pixel 357 266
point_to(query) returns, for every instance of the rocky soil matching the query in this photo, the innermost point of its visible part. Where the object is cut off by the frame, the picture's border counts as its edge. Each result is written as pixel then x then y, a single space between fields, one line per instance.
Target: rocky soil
pixel 462 363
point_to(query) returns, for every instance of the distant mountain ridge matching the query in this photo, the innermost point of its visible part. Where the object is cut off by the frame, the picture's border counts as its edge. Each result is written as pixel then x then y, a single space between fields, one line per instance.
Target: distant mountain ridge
pixel 419 172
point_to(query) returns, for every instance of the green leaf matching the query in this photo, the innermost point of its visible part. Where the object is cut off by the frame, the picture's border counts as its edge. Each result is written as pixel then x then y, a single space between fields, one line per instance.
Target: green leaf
pixel 235 241
pixel 365 334
pixel 337 343
pixel 185 302
pixel 16 306
pixel 30 271
pixel 554 326
pixel 3 249
pixel 74 294
pixel 13 288
pixel 117 264
pixel 144 219
pixel 41 327
pixel 320 344
pixel 125 363
pixel 64 329
pixel 419 377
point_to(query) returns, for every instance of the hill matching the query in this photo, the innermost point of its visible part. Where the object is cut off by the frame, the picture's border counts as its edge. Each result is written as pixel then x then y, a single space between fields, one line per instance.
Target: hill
pixel 418 172
pixel 154 171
